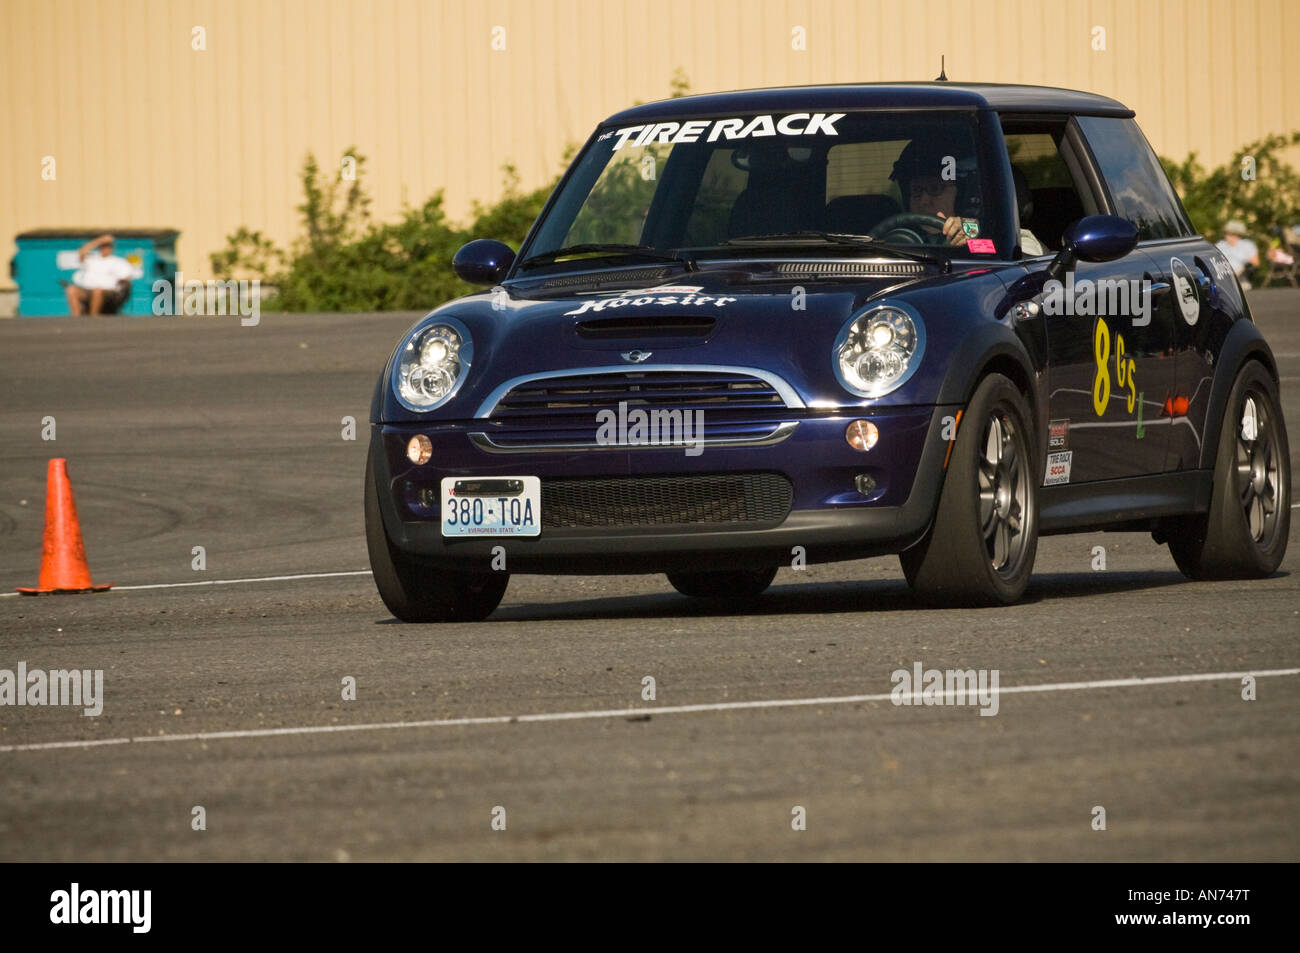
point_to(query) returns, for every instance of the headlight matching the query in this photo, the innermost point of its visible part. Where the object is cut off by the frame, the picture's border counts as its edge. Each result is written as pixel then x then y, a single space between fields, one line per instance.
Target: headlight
pixel 431 364
pixel 878 350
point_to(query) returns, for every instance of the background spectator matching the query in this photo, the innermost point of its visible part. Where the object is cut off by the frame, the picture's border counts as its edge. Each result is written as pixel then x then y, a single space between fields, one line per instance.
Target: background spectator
pixel 1239 250
pixel 103 282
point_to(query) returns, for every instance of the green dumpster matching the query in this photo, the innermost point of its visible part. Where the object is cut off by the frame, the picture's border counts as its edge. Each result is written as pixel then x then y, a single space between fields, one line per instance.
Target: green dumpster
pixel 47 260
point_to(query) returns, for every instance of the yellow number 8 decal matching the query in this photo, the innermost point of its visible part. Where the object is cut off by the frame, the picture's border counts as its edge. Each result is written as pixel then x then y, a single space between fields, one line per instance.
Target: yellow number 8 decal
pixel 1101 384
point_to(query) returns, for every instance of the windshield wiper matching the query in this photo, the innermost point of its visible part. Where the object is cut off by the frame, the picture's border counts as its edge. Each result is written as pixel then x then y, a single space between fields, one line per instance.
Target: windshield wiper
pixel 839 238
pixel 803 236
pixel 635 251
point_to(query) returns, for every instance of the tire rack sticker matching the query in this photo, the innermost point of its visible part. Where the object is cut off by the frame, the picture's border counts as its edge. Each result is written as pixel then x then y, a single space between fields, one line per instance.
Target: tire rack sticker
pixel 1058 468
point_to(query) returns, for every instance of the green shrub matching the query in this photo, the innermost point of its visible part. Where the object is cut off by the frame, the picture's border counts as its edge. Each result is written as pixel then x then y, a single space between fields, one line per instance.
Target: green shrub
pixel 1266 204
pixel 344 262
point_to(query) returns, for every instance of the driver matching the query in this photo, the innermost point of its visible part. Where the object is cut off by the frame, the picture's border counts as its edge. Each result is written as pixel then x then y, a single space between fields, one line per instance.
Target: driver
pixel 919 173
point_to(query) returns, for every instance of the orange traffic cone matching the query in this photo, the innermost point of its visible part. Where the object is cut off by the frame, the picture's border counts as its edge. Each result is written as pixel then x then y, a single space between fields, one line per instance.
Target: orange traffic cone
pixel 63 557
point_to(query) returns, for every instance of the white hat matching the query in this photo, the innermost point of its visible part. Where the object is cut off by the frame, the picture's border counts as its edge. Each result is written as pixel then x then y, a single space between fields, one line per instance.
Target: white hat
pixel 1235 227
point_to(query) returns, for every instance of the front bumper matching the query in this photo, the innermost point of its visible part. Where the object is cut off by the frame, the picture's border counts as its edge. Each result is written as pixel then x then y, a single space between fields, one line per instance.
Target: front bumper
pixel 827 516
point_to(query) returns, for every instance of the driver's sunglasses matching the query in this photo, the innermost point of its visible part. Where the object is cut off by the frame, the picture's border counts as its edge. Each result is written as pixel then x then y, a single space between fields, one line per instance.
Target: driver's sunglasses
pixel 916 189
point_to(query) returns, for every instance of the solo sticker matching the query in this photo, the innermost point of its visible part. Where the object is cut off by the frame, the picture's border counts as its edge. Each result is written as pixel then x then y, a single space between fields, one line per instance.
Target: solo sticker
pixel 1058 468
pixel 981 246
pixel 1058 434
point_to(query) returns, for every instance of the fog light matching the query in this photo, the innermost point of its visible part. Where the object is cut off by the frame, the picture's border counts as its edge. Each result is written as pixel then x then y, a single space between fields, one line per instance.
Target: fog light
pixel 419 449
pixel 864 484
pixel 862 435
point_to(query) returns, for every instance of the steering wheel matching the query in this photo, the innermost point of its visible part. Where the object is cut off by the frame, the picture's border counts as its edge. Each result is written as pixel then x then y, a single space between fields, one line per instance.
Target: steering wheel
pixel 903 227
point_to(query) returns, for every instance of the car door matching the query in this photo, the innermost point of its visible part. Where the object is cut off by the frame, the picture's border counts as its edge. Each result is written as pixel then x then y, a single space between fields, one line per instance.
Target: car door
pixel 1107 362
pixel 1108 356
pixel 1175 383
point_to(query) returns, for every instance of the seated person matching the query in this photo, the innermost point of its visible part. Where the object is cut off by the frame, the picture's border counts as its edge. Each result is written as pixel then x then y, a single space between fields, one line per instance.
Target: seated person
pixel 925 191
pixel 103 282
pixel 1241 252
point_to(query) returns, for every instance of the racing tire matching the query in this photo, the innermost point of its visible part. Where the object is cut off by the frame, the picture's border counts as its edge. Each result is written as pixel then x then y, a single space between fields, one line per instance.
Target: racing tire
pixel 728 584
pixel 415 592
pixel 1244 535
pixel 980 547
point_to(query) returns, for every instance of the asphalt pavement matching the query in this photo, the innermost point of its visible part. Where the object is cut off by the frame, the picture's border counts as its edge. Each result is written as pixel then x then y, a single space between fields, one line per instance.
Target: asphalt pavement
pixel 228 695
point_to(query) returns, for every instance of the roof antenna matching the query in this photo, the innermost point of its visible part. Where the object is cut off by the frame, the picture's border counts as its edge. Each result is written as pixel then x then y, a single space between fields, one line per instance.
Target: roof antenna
pixel 942 77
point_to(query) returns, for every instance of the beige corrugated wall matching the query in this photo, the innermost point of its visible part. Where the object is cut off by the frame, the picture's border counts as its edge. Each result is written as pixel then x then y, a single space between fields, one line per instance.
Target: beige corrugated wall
pixel 147 131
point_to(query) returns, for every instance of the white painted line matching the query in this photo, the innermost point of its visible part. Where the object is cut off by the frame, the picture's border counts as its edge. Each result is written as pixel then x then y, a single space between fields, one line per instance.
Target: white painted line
pixel 230 582
pixel 635 712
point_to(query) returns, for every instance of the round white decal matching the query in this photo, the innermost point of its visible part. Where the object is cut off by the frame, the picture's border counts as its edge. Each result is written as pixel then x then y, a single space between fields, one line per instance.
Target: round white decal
pixel 1185 291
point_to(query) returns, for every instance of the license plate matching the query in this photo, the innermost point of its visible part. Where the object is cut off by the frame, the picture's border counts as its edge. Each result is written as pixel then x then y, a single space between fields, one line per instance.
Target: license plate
pixel 492 506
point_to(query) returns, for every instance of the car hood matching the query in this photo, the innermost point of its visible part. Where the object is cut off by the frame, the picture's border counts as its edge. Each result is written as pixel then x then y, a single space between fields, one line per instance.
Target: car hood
pixel 783 323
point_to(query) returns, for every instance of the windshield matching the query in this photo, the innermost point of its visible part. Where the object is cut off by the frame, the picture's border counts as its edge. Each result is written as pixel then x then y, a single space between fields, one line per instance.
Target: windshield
pixel 738 185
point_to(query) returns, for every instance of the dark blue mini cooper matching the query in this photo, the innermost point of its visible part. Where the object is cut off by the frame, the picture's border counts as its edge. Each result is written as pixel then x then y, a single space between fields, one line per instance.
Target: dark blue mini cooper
pixel 782 326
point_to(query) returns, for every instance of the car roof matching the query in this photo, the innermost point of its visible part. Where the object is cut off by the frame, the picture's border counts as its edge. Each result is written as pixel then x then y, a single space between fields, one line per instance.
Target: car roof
pixel 933 95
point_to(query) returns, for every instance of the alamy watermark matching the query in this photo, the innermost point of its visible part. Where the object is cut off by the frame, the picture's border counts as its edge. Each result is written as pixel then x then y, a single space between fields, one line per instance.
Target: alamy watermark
pixel 242 297
pixel 639 427
pixel 952 687
pixel 1105 297
pixel 78 906
pixel 81 688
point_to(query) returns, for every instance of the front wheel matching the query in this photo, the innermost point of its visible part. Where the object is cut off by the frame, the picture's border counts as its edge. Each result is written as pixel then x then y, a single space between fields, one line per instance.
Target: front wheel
pixel 980 548
pixel 1245 533
pixel 729 584
pixel 415 592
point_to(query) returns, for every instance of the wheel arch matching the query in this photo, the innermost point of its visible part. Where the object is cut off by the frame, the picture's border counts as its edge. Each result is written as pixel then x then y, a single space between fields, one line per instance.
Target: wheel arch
pixel 1243 343
pixel 995 349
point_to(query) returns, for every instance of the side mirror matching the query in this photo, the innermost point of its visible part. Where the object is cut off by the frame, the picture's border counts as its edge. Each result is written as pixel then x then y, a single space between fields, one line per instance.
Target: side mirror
pixel 1094 238
pixel 483 261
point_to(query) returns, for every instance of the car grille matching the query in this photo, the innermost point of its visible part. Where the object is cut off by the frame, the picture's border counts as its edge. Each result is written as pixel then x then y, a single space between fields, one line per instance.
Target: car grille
pixel 733 405
pixel 586 394
pixel 734 499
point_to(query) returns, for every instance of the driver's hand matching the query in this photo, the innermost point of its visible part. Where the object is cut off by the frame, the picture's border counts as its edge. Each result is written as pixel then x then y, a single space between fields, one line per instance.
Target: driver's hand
pixel 952 229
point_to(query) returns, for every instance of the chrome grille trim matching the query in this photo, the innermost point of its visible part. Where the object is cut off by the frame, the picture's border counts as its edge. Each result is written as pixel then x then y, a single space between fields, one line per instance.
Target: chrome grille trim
pixel 788 396
pixel 782 431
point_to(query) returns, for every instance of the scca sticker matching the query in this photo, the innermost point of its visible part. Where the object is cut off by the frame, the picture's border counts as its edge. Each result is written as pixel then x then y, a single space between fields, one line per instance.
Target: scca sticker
pixel 1058 468
pixel 795 124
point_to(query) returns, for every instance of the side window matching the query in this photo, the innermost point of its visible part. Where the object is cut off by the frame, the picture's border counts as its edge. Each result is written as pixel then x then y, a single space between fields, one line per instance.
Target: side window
pixel 1138 185
pixel 1037 156
pixel 1048 199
